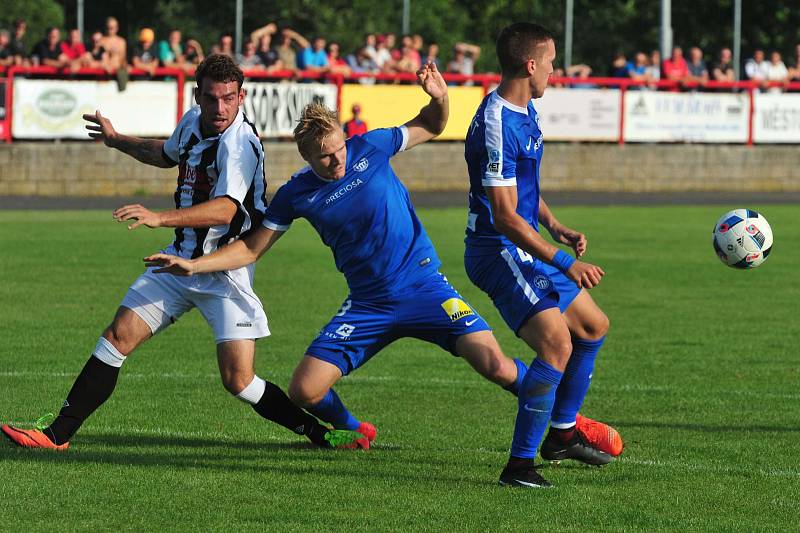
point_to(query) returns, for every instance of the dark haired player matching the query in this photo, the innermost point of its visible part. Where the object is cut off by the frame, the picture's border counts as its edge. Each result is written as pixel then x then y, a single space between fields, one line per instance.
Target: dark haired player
pixel 220 196
pixel 537 287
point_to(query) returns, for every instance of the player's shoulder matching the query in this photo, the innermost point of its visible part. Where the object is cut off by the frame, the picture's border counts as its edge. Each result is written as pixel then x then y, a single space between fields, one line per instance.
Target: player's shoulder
pixel 242 136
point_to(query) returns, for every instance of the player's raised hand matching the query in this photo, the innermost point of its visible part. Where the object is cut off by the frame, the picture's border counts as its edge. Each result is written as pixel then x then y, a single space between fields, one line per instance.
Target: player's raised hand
pixel 574 239
pixel 139 213
pixel 169 264
pixel 432 81
pixel 100 128
pixel 585 275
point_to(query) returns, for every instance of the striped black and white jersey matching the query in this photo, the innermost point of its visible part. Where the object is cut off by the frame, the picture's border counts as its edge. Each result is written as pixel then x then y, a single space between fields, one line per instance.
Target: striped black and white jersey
pixel 227 165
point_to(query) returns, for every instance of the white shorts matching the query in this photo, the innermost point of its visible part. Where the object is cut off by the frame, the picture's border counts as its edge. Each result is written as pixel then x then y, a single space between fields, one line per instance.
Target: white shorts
pixel 225 299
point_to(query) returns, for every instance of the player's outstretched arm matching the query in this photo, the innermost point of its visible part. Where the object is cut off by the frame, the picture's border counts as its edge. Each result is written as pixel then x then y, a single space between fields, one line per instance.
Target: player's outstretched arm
pixel 433 117
pixel 503 202
pixel 237 254
pixel 148 151
pixel 215 212
pixel 561 233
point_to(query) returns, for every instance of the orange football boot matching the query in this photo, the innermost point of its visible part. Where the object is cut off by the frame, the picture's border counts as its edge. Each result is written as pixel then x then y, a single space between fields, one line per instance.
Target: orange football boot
pixel 31 438
pixel 369 432
pixel 600 436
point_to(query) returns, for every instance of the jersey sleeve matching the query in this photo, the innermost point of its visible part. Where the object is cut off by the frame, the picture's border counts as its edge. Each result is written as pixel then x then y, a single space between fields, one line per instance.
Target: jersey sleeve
pixel 238 162
pixel 171 149
pixel 388 140
pixel 280 212
pixel 499 159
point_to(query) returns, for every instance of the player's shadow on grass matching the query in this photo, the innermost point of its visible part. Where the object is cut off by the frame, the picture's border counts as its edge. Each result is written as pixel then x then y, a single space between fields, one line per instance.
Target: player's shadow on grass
pixel 705 428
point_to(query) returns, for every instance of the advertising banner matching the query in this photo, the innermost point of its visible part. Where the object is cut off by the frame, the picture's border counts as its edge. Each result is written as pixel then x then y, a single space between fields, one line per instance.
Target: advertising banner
pixel 776 118
pixel 686 117
pixel 53 109
pixel 579 114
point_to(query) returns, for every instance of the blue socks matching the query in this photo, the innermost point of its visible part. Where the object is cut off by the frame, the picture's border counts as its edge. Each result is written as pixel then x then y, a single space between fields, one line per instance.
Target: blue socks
pixel 332 410
pixel 575 385
pixel 536 396
pixel 522 369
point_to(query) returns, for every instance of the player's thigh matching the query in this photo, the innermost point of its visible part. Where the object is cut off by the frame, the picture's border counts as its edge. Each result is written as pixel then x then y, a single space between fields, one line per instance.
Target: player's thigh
pixel 127 331
pixel 481 350
pixel 230 307
pixel 236 360
pixel 547 333
pixel 312 379
pixel 585 319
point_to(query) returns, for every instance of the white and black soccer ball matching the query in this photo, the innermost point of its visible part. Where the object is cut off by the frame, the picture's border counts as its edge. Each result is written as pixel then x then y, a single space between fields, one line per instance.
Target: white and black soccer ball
pixel 742 238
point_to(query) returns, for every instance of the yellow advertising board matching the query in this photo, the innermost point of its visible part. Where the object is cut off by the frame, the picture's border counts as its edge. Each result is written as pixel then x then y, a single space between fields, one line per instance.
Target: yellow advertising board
pixel 391 105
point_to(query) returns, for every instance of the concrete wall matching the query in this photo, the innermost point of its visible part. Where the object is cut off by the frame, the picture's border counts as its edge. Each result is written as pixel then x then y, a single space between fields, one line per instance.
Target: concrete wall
pixel 90 169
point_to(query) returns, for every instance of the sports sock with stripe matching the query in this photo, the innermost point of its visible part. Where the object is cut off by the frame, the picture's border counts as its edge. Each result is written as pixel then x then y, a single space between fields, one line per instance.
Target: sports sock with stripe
pixel 275 405
pixel 332 410
pixel 535 402
pixel 575 383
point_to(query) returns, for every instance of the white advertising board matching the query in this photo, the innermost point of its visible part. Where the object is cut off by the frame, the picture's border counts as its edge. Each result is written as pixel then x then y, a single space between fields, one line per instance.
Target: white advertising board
pixel 53 109
pixel 656 116
pixel 579 114
pixel 273 107
pixel 776 118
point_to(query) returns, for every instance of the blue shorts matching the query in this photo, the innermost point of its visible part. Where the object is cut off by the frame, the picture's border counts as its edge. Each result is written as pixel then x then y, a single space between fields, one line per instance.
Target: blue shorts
pixel 520 285
pixel 432 311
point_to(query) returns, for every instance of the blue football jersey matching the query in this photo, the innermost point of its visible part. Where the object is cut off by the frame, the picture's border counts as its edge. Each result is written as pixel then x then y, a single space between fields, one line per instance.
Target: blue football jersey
pixel 366 218
pixel 504 147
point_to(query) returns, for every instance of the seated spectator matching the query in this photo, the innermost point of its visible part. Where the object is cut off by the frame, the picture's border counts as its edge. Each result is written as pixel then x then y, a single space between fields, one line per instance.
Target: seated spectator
pixel 777 71
pixel 675 68
pixel 619 67
pixel 723 70
pixel 286 51
pixel 696 66
pixel 314 57
pixel 756 67
pixel 74 49
pixel 464 57
pixel 355 126
pixel 637 69
pixel 249 60
pixel 337 65
pixel 145 55
pixel 432 55
pixel 16 47
pixel 96 56
pixel 269 56
pixel 653 72
pixel 47 52
pixel 116 47
pixel 6 58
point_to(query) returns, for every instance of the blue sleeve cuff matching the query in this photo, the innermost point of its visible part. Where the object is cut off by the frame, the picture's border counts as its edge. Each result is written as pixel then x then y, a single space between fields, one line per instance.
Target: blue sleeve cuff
pixel 562 261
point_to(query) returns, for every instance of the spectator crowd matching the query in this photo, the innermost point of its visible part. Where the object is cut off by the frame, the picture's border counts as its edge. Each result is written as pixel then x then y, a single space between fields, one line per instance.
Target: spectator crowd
pixel 270 50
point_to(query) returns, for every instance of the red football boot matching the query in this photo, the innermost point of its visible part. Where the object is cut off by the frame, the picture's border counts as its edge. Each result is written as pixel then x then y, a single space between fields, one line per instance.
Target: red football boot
pixel 31 438
pixel 600 436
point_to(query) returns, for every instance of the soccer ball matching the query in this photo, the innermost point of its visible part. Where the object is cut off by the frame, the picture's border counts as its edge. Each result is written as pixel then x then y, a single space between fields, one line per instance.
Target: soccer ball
pixel 742 238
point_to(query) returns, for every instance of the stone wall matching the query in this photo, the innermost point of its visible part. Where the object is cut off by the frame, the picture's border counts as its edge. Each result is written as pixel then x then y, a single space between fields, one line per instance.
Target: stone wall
pixel 90 169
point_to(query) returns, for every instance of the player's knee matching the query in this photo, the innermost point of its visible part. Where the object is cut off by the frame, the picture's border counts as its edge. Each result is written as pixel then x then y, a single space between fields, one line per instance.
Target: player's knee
pixel 596 328
pixel 116 335
pixel 556 348
pixel 303 395
pixel 235 383
pixel 500 369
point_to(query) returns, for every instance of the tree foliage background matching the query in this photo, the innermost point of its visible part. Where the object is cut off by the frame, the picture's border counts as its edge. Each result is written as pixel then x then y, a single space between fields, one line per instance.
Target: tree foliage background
pixel 600 28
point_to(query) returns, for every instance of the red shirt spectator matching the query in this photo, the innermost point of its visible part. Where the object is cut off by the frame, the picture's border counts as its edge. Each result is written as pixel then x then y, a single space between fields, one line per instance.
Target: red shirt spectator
pixel 74 47
pixel 675 68
pixel 355 126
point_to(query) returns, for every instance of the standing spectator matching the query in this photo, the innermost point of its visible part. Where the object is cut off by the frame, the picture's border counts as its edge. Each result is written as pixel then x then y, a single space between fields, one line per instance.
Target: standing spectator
pixel 637 69
pixel 675 68
pixel 756 67
pixel 696 66
pixel 194 55
pixel 145 55
pixel 370 45
pixel 224 46
pixel 362 62
pixel 355 126
pixel 115 45
pixel 432 56
pixel 653 72
pixel 619 66
pixel 286 51
pixel 47 52
pixel 383 56
pixel 337 65
pixel 723 70
pixel 464 57
pixel 777 71
pixel 391 42
pixel 17 47
pixel 794 73
pixel 410 60
pixel 249 60
pixel 581 72
pixel 170 51
pixel 314 57
pixel 73 49
pixel 96 56
pixel 269 56
pixel 6 58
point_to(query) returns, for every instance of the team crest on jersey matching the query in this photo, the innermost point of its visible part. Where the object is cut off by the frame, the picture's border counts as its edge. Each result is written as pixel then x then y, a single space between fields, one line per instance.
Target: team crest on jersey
pixel 541 282
pixel 494 161
pixel 362 165
pixel 456 309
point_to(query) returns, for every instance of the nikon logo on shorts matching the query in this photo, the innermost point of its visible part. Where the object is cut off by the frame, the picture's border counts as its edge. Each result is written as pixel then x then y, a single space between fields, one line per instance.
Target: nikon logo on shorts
pixel 456 308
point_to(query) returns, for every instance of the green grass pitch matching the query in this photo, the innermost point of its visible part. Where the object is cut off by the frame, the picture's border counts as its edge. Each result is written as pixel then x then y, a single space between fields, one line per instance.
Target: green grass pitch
pixel 700 375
